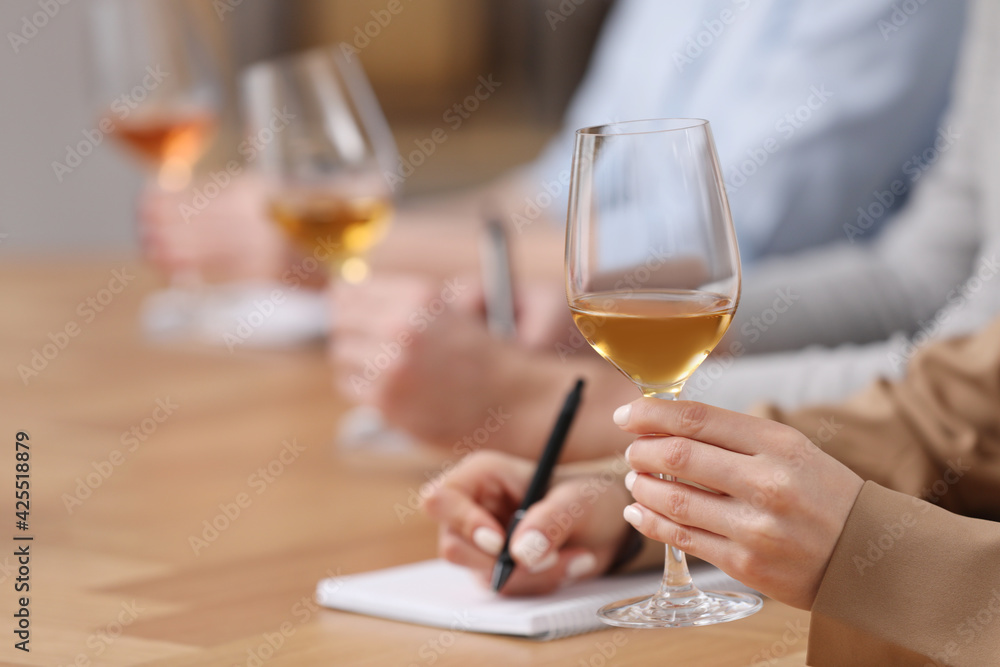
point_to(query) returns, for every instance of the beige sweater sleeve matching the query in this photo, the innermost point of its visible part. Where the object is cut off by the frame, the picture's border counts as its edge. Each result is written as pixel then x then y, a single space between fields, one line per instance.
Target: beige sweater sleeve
pixel 908 584
pixel 934 434
pixel 911 581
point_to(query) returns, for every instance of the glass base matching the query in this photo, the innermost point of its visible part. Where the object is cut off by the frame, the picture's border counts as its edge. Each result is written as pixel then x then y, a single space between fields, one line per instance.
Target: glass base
pixel 704 608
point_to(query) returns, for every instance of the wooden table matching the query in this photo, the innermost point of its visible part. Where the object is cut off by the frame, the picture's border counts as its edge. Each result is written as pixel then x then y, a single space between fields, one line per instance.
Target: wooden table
pixel 116 576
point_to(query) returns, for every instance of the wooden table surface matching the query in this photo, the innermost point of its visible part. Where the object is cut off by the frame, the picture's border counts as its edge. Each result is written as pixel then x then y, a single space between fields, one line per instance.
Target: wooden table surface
pixel 116 577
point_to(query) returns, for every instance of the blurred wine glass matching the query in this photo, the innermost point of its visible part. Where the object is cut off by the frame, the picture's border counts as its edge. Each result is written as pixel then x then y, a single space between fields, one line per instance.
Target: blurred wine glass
pixel 156 84
pixel 322 145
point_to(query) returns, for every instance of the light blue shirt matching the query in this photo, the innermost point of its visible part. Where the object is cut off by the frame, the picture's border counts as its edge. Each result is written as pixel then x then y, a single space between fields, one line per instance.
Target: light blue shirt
pixel 817 107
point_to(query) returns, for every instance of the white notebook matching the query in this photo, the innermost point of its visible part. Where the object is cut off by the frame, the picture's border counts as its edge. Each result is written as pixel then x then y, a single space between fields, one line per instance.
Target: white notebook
pixel 439 594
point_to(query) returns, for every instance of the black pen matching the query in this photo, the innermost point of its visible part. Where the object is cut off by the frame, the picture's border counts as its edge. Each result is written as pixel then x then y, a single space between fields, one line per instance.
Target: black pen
pixel 540 482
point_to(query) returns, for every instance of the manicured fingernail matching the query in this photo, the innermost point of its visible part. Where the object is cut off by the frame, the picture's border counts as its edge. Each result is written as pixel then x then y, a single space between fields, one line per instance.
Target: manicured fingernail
pixel 530 547
pixel 622 414
pixel 630 479
pixel 628 451
pixel 581 566
pixel 632 515
pixel 488 540
pixel 546 563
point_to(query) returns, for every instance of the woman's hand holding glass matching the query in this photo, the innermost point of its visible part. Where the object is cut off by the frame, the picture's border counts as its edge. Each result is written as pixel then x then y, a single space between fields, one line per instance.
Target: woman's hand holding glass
pixel 781 506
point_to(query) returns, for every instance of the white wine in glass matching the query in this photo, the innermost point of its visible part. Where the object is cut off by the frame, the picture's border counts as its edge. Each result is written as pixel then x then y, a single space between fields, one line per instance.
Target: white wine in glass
pixel 629 329
pixel 324 168
pixel 316 220
pixel 653 281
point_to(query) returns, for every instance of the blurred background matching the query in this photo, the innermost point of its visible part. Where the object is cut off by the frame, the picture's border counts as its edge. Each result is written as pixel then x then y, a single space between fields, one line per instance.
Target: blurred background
pixel 421 62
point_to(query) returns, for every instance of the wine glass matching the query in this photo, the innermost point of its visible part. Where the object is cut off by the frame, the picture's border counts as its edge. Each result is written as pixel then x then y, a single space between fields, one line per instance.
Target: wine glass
pixel 653 280
pixel 157 86
pixel 157 83
pixel 322 146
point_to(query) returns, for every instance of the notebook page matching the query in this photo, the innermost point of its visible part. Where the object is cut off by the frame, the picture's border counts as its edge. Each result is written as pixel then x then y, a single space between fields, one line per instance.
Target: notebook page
pixel 439 594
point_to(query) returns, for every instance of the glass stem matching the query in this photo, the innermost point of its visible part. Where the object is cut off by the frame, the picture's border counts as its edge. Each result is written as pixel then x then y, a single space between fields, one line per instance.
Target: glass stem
pixel 352 269
pixel 676 585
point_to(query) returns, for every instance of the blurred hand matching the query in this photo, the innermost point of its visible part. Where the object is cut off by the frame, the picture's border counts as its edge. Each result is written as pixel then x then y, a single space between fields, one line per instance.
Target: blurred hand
pixel 228 237
pixel 541 313
pixel 573 533
pixel 419 351
pixel 783 506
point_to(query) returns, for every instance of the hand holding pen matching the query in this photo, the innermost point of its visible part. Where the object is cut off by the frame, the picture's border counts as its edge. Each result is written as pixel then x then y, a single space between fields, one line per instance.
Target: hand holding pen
pixel 539 483
pixel 573 532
